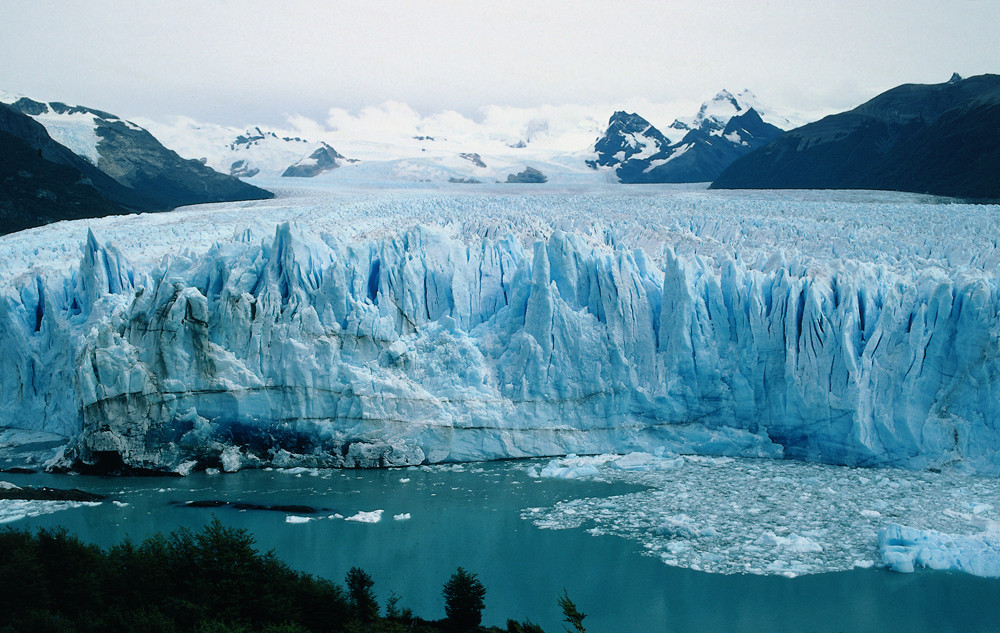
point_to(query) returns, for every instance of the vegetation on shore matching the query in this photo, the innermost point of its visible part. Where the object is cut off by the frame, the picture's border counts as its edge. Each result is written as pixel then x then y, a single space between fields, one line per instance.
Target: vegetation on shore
pixel 210 581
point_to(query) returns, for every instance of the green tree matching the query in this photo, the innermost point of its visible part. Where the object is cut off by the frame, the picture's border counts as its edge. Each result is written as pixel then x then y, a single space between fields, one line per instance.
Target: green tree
pixel 464 599
pixel 571 614
pixel 360 594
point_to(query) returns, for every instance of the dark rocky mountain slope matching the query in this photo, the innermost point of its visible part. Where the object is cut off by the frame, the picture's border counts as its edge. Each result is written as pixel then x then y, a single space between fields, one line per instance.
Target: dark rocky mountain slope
pixel 133 171
pixel 42 181
pixel 941 139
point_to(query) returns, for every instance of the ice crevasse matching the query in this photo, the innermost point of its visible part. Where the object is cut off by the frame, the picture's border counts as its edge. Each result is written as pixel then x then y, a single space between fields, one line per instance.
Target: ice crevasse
pixel 420 347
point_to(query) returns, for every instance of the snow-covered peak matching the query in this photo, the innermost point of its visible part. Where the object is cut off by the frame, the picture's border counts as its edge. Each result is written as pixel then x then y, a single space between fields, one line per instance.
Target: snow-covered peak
pixel 628 137
pixel 9 97
pixel 714 114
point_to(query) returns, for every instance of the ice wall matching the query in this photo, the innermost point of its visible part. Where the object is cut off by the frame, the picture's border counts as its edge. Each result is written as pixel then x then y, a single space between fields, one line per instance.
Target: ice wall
pixel 419 346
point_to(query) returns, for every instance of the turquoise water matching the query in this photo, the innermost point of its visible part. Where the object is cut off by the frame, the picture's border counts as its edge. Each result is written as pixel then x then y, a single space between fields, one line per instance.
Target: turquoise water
pixel 470 517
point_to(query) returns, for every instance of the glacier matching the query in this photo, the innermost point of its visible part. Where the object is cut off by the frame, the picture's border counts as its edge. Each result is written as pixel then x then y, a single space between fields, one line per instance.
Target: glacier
pixel 374 328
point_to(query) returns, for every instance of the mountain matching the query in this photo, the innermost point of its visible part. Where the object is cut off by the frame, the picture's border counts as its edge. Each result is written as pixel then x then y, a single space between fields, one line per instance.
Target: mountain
pixel 322 160
pixel 247 152
pixel 629 137
pixel 723 130
pixel 42 181
pixel 941 139
pixel 158 177
pixel 714 114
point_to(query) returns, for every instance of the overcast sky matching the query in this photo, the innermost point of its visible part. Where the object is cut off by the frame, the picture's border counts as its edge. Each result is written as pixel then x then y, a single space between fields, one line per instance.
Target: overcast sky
pixel 239 62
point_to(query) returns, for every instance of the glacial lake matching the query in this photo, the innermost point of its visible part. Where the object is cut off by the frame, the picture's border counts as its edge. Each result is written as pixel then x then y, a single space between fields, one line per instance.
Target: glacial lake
pixel 477 516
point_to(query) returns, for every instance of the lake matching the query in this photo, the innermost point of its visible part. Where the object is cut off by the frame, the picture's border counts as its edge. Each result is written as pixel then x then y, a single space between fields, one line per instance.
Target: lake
pixel 471 516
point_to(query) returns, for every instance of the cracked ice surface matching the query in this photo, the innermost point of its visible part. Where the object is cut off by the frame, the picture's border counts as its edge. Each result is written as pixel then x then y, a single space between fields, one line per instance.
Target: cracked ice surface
pixel 755 516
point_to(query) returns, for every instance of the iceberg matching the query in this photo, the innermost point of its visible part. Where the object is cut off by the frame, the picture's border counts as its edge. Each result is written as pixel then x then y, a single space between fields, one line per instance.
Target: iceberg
pixel 422 344
pixel 905 548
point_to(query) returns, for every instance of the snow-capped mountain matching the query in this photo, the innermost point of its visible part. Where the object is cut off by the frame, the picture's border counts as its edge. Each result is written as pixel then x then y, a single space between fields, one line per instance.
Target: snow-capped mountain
pixel 320 161
pixel 714 114
pixel 629 137
pixel 246 152
pixel 154 177
pixel 394 143
pixel 86 163
pixel 724 129
pixel 388 147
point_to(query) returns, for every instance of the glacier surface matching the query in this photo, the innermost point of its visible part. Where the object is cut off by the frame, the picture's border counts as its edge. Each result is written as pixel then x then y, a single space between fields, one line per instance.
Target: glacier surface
pixel 363 327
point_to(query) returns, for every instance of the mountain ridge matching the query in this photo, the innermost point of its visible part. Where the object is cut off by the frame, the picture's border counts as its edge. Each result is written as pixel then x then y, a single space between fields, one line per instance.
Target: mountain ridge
pixel 722 131
pixel 126 168
pixel 940 139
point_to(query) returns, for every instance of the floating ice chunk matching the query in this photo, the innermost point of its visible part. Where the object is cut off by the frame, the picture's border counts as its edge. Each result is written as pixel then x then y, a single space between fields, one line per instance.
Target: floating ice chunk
pixel 184 468
pixel 293 518
pixel 366 517
pixel 401 517
pixel 905 548
pixel 232 459
pixel 634 461
pixel 791 543
pixel 299 470
pixel 120 504
pixel 644 461
pixel 6 485
pixel 9 516
pixel 404 480
pixel 558 471
pixel 679 527
pixel 574 466
pixel 15 509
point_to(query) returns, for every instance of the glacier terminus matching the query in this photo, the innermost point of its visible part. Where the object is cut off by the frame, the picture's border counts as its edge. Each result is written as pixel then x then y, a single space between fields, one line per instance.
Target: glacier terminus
pixel 330 328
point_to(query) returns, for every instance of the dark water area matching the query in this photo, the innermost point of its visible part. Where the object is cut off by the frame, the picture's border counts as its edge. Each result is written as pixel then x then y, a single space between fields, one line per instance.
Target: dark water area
pixel 470 516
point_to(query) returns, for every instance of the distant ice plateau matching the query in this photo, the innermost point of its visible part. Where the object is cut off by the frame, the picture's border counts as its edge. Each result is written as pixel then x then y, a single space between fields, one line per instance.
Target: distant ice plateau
pixel 360 327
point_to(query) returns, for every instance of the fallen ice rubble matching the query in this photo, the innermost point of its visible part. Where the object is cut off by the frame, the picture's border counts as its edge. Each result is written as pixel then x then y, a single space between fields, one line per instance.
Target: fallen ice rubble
pixel 727 515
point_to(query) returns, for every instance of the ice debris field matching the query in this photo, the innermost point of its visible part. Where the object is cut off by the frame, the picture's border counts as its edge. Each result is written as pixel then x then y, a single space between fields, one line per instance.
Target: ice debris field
pixel 726 515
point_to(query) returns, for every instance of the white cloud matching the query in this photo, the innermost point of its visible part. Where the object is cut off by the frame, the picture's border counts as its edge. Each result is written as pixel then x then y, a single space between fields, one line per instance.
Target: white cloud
pixel 258 61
